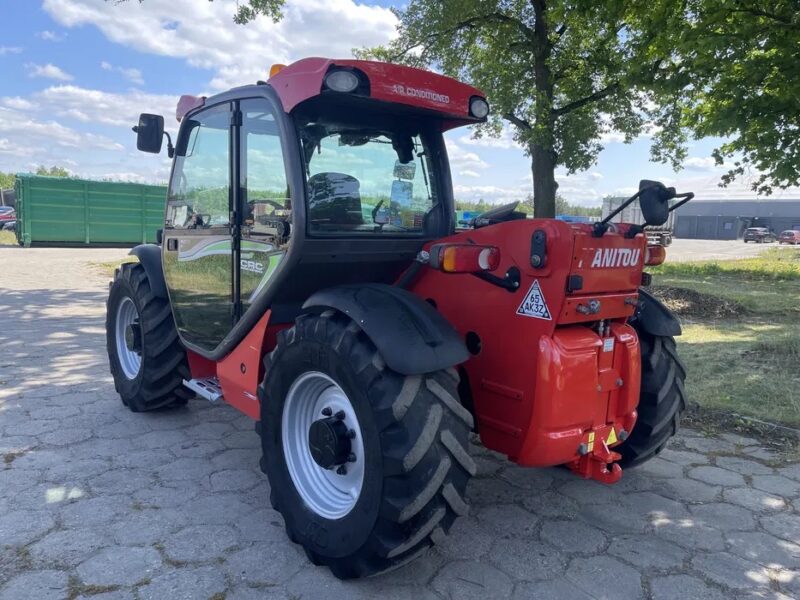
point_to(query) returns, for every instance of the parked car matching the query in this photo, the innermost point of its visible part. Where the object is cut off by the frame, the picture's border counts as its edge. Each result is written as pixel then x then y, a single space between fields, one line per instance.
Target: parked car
pixel 759 235
pixel 8 226
pixel 7 214
pixel 790 236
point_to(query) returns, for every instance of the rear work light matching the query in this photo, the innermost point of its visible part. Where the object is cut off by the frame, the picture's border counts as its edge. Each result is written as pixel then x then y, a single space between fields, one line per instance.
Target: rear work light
pixel 464 258
pixel 478 107
pixel 655 255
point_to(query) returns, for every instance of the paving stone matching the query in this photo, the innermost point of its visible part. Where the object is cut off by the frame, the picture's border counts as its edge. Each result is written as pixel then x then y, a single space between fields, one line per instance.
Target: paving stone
pixel 716 476
pixel 68 547
pixel 777 484
pixel 708 444
pixel 115 595
pixel 605 578
pixel 484 491
pixel 316 582
pixel 469 580
pixel 792 472
pixel 231 480
pixel 614 518
pixel 688 490
pixel 680 587
pixel 36 585
pixel 263 525
pixel 121 481
pixel 691 533
pixel 265 563
pixel 147 526
pixel 659 467
pixel 754 499
pixel 508 520
pixel 759 453
pixel 466 540
pixel 528 479
pixel 242 592
pixel 573 536
pixel 648 552
pixel 783 525
pixel 21 527
pixel 731 571
pixel 486 466
pixel 743 466
pixel 527 560
pixel 547 505
pixel 185 584
pixel 198 449
pixel 200 542
pixel 218 509
pixel 194 469
pixel 738 439
pixel 549 590
pixel 119 565
pixel 89 512
pixel 13 481
pixel 724 516
pixel 589 492
pixel 765 549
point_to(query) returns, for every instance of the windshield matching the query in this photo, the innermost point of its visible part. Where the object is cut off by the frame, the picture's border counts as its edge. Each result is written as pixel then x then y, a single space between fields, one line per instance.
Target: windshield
pixel 366 181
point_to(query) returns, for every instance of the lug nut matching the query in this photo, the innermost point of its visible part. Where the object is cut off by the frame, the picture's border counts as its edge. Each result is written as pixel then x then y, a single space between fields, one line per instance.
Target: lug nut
pixel 339 415
pixel 622 435
pixel 351 457
pixel 351 434
pixel 327 412
pixel 342 470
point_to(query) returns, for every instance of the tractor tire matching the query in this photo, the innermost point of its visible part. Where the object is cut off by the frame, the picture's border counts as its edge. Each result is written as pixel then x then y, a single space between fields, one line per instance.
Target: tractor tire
pixel 147 360
pixel 661 402
pixel 408 435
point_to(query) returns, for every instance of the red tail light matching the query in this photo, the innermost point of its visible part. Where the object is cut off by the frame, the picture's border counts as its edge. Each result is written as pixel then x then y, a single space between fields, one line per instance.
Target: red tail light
pixel 464 258
pixel 655 255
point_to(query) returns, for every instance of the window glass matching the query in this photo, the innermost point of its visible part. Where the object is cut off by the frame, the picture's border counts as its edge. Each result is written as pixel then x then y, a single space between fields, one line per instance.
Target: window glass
pixel 367 182
pixel 200 188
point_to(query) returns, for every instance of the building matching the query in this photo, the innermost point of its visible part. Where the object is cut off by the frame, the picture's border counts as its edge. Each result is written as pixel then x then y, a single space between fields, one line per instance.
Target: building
pixel 726 219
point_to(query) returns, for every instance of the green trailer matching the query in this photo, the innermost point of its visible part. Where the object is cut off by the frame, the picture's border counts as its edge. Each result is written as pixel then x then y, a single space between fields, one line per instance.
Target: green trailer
pixel 58 211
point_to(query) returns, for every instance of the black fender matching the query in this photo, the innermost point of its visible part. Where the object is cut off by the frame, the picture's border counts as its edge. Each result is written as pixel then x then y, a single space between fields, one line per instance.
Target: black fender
pixel 653 317
pixel 410 334
pixel 149 256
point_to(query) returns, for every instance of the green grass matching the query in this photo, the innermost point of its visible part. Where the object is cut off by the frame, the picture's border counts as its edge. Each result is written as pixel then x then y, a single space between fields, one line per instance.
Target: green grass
pixel 747 362
pixel 7 238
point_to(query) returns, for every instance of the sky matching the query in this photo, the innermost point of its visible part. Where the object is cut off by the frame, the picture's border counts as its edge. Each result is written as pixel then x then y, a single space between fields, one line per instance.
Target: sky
pixel 75 74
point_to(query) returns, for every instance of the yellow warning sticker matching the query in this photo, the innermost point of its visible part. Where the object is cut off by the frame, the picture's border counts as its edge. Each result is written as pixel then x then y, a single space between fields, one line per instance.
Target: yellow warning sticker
pixel 591 440
pixel 612 437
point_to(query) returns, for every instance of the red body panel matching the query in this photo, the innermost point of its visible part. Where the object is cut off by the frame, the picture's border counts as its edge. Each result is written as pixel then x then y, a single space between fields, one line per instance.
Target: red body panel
pixel 540 386
pixel 302 80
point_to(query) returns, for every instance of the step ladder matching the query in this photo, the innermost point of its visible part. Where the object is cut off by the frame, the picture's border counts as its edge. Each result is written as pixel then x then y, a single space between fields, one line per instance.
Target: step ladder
pixel 207 388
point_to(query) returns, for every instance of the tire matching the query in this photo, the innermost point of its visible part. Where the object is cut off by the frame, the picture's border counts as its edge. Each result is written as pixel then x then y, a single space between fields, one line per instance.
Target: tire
pixel 415 437
pixel 661 403
pixel 158 381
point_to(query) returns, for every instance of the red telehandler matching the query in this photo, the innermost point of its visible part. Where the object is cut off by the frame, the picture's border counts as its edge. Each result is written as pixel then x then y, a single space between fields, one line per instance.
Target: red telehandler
pixel 309 274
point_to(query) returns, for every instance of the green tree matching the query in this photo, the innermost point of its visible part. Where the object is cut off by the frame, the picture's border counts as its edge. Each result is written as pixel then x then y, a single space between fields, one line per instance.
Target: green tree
pixel 735 73
pixel 53 171
pixel 247 11
pixel 561 72
pixel 7 180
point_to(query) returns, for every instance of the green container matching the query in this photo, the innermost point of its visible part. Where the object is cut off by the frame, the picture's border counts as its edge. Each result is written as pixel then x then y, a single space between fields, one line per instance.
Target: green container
pixel 56 211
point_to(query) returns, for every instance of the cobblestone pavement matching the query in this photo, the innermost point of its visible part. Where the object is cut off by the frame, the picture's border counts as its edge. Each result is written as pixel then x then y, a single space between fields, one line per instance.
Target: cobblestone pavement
pixel 100 503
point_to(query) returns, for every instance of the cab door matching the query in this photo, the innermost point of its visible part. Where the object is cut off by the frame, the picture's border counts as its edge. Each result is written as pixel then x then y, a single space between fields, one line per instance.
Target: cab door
pixel 198 255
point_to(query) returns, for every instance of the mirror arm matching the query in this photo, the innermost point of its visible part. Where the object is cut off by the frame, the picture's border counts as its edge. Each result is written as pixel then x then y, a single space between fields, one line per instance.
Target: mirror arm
pixel 686 197
pixel 602 226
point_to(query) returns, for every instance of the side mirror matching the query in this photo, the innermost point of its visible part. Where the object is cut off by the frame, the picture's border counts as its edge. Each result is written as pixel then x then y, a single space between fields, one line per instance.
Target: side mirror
pixel 149 133
pixel 654 200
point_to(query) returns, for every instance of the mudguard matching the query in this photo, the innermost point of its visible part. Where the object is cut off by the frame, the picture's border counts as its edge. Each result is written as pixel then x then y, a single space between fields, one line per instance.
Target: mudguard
pixel 655 318
pixel 412 337
pixel 149 256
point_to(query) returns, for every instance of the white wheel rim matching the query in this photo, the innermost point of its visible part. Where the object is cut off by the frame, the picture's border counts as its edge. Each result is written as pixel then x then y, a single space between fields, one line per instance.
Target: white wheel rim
pixel 129 360
pixel 328 493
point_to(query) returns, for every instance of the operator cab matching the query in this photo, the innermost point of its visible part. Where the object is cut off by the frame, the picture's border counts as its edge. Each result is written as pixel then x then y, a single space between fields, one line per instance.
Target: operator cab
pixel 339 173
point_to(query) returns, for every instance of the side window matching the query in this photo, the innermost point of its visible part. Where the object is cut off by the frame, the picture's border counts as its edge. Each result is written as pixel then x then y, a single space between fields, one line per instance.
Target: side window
pixel 267 207
pixel 200 188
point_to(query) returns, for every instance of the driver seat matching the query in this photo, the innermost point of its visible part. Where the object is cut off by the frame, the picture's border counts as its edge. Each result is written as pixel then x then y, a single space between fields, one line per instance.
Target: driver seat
pixel 334 199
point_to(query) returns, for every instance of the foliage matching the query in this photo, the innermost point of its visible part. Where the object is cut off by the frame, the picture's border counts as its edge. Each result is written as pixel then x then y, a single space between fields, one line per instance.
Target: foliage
pixel 563 207
pixel 735 74
pixel 562 72
pixel 249 10
pixel 775 264
pixel 53 171
pixel 7 180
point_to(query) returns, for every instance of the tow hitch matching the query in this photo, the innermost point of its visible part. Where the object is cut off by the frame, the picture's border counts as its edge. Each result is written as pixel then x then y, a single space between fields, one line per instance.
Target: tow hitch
pixel 597 461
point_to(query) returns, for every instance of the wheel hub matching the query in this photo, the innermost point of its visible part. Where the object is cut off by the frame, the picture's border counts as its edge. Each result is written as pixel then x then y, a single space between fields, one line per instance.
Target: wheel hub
pixel 133 337
pixel 329 442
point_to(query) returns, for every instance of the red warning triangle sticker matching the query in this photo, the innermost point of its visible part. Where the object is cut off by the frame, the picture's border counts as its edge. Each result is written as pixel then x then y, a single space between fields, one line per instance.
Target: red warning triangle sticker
pixel 534 305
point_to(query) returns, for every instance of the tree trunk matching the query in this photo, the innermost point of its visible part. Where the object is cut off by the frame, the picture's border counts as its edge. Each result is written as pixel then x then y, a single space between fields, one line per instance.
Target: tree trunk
pixel 544 182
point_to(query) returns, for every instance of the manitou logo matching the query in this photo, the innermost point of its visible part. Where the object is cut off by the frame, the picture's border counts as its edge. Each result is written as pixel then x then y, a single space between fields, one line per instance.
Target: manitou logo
pixel 616 257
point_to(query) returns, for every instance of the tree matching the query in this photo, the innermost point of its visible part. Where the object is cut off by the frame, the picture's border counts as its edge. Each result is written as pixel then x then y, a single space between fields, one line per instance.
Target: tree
pixel 561 72
pixel 248 11
pixel 736 75
pixel 53 171
pixel 7 180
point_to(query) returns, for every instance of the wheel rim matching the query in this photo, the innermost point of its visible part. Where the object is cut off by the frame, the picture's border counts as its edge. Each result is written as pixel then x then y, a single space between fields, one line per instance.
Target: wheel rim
pixel 129 360
pixel 327 492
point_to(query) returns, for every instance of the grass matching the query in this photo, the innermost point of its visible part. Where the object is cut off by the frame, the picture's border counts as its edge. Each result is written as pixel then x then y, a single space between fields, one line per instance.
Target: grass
pixel 7 238
pixel 746 358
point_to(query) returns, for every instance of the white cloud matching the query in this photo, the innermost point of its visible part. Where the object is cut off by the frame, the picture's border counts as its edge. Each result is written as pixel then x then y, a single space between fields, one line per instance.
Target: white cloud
pixel 505 141
pixel 698 163
pixel 463 160
pixel 132 75
pixel 204 34
pixel 9 50
pixel 48 71
pixel 468 173
pixel 51 36
pixel 17 102
pixel 492 194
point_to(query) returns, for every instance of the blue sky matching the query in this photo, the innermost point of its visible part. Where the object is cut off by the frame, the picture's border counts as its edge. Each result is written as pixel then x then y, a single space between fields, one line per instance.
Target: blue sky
pixel 76 73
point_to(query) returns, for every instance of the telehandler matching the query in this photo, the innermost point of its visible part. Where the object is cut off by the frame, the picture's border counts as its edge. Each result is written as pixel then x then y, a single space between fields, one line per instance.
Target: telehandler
pixel 310 275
